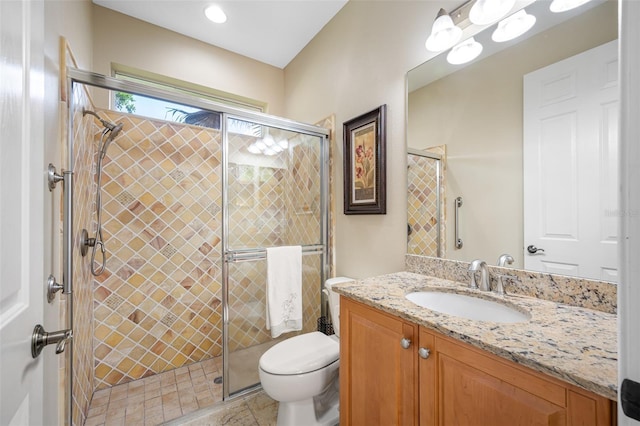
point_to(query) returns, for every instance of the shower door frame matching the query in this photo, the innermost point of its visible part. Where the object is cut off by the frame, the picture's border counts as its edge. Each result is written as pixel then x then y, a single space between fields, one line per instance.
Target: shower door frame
pixel 77 76
pixel 438 159
pixel 230 256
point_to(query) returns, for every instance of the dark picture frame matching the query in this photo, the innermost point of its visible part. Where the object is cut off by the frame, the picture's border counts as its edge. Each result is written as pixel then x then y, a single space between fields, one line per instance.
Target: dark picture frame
pixel 365 171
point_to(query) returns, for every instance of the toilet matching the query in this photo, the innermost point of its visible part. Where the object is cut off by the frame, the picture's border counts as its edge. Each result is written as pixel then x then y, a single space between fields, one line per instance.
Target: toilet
pixel 301 373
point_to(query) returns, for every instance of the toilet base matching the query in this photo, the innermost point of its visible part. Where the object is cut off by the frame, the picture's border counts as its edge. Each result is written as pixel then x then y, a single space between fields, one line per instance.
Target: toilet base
pixel 302 413
pixel 320 410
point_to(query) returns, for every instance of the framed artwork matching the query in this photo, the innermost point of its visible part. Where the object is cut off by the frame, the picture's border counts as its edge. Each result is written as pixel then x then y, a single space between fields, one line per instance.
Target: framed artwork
pixel 365 169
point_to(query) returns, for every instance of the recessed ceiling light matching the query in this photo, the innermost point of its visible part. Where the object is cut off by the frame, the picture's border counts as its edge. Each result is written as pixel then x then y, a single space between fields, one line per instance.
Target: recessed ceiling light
pixel 215 14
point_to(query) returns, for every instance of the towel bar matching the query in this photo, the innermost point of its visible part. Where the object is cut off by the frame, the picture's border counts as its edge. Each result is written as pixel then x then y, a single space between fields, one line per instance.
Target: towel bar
pixel 245 255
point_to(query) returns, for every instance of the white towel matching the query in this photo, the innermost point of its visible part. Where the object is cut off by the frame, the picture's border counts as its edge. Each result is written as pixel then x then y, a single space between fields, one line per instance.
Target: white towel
pixel 284 289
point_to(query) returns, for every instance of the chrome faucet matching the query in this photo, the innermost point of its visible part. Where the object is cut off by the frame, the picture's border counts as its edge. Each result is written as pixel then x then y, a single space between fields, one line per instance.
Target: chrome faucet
pixel 505 259
pixel 479 265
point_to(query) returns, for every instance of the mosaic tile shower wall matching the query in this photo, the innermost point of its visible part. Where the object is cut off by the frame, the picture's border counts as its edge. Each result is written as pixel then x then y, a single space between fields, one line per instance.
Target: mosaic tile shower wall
pixel 158 305
pixel 84 129
pixel 422 207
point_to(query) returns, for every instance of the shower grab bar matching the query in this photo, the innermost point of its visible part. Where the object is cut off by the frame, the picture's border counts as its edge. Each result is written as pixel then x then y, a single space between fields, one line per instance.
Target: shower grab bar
pixel 245 255
pixel 458 240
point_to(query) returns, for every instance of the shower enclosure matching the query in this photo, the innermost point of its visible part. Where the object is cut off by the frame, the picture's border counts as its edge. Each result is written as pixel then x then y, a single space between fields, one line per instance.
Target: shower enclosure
pixel 187 213
pixel 425 202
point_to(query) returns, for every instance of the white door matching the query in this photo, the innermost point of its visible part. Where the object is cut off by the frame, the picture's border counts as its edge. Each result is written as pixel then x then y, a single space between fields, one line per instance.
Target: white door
pixel 629 287
pixel 22 189
pixel 570 165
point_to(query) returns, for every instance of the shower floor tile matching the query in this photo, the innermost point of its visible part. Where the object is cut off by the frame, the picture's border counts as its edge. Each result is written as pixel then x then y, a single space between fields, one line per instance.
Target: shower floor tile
pixel 159 398
pixel 185 396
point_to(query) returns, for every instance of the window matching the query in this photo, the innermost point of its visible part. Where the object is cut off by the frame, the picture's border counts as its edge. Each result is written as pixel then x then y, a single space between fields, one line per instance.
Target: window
pixel 170 111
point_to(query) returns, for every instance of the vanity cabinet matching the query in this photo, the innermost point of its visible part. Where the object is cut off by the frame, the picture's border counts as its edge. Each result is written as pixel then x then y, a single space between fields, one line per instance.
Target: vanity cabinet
pixel 378 376
pixel 431 379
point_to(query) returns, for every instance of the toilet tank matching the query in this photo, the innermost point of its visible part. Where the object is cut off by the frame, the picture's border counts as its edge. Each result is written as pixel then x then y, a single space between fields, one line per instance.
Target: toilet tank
pixel 334 301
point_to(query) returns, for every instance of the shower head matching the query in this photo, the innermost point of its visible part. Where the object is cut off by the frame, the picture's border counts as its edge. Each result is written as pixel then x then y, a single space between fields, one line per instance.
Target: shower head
pixel 113 132
pixel 108 125
pixel 111 128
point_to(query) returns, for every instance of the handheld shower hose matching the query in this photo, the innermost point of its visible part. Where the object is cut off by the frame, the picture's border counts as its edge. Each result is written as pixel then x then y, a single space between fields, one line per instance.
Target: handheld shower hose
pixel 109 133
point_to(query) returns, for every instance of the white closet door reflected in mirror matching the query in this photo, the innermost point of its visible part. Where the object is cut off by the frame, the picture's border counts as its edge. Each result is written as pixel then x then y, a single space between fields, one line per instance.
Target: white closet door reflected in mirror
pixel 570 157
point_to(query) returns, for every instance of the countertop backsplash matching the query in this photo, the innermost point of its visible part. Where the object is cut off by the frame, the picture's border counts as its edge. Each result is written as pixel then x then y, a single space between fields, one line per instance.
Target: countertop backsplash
pixel 584 293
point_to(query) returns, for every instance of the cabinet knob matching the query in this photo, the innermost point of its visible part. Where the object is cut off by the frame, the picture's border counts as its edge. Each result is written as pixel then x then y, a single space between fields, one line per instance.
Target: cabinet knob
pixel 405 343
pixel 424 353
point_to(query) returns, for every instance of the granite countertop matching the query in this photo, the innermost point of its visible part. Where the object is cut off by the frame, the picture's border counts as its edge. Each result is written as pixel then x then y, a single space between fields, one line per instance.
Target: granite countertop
pixel 573 344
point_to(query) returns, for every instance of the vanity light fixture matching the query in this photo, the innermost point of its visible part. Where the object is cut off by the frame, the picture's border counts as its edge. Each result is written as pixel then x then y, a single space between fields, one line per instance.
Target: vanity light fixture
pixel 464 52
pixel 484 12
pixel 284 144
pixel 513 26
pixel 558 6
pixel 215 14
pixel 254 149
pixel 443 33
pixel 268 146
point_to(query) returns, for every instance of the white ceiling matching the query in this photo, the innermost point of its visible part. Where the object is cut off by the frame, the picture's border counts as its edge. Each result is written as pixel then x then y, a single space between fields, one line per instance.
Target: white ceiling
pixel 270 31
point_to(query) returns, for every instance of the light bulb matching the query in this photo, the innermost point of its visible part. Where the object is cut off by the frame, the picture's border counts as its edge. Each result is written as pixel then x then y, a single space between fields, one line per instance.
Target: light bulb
pixel 253 149
pixel 513 26
pixel 464 52
pixel 443 33
pixel 485 12
pixel 558 6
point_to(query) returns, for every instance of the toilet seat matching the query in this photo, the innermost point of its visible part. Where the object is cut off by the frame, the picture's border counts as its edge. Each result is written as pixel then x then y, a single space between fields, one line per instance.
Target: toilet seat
pixel 301 354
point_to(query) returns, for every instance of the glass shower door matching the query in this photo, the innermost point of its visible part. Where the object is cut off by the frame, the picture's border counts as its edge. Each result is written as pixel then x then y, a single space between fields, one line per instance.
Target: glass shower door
pixel 425 228
pixel 274 198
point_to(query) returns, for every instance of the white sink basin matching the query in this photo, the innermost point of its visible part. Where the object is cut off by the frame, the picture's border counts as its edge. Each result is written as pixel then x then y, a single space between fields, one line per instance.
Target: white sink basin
pixel 469 307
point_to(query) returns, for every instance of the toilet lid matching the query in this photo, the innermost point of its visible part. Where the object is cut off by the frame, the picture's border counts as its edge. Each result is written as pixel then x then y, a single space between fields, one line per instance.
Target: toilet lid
pixel 300 354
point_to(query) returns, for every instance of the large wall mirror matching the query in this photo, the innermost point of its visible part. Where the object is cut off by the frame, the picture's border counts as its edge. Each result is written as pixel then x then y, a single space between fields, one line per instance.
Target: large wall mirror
pixel 479 119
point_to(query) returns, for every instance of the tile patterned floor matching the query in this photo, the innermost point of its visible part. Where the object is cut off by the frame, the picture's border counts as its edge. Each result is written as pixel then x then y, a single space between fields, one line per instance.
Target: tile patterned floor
pixel 254 409
pixel 187 395
pixel 159 398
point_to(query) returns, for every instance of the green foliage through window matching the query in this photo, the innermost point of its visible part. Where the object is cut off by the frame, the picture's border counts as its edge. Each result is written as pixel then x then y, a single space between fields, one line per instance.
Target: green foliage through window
pixel 125 101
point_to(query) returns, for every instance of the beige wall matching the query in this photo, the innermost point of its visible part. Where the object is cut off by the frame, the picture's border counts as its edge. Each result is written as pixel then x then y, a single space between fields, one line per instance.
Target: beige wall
pixel 127 41
pixel 481 106
pixel 356 63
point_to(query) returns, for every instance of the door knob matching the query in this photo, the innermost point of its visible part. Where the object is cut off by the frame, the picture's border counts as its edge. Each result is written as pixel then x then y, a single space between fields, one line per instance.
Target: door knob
pixel 40 338
pixel 424 353
pixel 405 343
pixel 533 249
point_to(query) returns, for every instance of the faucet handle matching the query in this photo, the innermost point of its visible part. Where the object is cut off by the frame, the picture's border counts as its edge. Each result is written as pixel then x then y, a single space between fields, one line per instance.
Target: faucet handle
pixel 505 259
pixel 500 282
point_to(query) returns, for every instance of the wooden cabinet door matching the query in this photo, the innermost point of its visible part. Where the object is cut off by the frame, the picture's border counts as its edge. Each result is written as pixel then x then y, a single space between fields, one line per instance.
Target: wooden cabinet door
pixel 477 389
pixel 469 396
pixel 377 375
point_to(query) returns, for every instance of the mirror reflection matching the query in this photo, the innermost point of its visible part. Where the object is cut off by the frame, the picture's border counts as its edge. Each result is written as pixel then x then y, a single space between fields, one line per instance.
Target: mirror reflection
pixel 526 146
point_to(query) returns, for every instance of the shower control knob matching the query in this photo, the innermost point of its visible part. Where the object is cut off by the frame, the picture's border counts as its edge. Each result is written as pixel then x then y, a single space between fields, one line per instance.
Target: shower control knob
pixel 41 338
pixel 405 343
pixel 424 353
